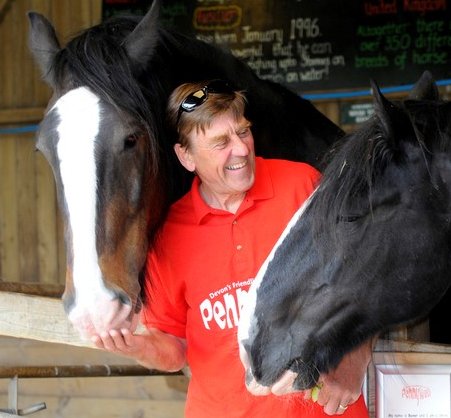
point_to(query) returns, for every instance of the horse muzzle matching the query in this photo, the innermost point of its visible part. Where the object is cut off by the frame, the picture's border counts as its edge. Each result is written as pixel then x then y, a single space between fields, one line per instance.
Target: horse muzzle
pixel 103 312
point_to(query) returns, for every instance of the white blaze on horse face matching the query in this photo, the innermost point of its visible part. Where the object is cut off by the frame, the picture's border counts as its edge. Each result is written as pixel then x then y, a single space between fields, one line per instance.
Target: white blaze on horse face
pixel 79 115
pixel 247 319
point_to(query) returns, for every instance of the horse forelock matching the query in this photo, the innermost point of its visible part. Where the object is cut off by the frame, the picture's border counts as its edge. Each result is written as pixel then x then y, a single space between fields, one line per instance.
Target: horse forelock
pixel 353 163
pixel 357 163
pixel 432 124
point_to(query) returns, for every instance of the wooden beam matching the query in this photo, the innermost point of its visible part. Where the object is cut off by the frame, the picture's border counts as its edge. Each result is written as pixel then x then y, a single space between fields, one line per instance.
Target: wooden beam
pixel 39 289
pixel 85 370
pixel 38 318
pixel 21 115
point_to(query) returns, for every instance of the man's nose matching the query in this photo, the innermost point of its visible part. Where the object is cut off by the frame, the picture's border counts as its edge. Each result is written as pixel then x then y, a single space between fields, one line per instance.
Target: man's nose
pixel 240 147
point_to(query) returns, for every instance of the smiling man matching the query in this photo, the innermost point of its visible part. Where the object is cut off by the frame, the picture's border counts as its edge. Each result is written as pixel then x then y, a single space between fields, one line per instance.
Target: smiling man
pixel 207 254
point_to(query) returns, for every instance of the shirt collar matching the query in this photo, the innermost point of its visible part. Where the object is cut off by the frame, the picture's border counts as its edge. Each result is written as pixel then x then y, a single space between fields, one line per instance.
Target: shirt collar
pixel 261 189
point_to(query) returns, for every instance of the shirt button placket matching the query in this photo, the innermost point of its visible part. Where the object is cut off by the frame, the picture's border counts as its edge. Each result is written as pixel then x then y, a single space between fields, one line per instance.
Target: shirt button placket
pixel 236 235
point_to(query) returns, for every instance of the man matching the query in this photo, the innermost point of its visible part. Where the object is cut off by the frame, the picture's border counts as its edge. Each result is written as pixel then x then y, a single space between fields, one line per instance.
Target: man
pixel 208 251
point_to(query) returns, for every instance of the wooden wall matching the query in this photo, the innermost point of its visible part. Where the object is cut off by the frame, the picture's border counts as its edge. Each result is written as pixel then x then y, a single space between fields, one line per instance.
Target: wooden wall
pixel 87 397
pixel 31 246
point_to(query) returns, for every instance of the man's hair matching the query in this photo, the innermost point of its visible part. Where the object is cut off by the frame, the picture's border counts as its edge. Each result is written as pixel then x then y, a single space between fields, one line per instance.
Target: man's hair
pixel 201 118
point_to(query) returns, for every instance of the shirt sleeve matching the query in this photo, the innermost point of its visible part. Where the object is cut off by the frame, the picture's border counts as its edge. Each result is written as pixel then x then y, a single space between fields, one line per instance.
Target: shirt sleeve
pixel 165 306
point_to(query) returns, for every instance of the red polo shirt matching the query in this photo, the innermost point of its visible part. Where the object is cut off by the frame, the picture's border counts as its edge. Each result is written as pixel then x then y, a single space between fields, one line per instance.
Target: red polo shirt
pixel 198 276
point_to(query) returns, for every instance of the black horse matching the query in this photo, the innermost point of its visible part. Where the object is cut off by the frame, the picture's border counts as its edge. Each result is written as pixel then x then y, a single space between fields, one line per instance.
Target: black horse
pixel 106 139
pixel 370 249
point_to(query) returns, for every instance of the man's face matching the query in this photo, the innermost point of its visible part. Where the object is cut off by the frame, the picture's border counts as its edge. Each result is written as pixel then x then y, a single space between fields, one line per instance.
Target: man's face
pixel 223 157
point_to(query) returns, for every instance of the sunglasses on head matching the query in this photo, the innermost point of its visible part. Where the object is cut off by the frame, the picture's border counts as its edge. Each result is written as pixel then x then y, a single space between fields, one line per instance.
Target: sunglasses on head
pixel 196 98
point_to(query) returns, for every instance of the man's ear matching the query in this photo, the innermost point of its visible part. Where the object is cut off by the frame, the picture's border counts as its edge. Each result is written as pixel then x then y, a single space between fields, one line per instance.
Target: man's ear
pixel 184 156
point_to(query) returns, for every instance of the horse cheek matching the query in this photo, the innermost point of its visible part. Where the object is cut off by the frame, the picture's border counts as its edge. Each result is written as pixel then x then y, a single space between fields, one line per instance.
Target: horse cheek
pixel 122 262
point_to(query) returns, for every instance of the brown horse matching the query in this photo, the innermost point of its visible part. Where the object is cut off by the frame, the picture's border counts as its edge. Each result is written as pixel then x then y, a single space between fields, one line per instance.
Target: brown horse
pixel 116 173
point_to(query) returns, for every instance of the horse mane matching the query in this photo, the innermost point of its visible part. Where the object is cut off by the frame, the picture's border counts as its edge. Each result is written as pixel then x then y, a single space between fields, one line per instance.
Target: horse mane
pixel 350 167
pixel 358 160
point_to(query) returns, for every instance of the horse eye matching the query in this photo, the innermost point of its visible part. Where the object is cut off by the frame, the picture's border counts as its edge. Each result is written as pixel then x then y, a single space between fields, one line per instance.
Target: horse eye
pixel 131 140
pixel 348 218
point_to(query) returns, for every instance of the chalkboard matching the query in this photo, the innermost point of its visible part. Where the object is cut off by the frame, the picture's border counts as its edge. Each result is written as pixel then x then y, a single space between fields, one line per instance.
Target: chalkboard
pixel 320 45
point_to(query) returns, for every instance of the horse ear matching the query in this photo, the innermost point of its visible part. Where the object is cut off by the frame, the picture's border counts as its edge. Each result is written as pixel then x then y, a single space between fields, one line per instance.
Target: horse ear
pixel 425 88
pixel 43 44
pixel 384 110
pixel 141 42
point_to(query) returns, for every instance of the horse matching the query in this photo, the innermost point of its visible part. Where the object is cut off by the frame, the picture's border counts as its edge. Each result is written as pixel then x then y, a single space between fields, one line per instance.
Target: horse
pixel 105 137
pixel 369 250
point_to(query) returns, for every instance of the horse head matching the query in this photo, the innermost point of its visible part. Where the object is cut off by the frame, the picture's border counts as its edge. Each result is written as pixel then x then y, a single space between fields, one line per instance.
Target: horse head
pixel 99 136
pixel 368 251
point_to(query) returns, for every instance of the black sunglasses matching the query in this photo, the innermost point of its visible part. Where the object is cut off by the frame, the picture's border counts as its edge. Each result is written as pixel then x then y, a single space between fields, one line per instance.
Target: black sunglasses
pixel 196 98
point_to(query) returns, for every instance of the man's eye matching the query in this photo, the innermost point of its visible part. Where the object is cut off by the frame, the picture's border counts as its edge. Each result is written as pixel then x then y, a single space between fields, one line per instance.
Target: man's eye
pixel 221 144
pixel 244 132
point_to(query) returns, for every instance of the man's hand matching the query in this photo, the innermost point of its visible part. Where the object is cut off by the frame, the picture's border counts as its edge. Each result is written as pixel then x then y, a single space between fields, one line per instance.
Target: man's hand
pixel 121 342
pixel 154 350
pixel 342 386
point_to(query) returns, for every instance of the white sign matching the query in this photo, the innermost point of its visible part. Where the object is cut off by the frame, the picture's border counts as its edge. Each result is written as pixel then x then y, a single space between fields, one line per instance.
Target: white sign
pixel 413 391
